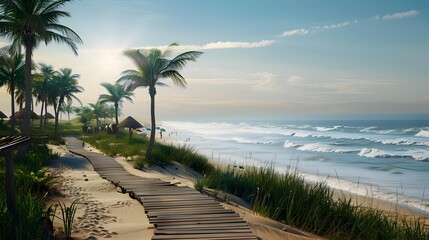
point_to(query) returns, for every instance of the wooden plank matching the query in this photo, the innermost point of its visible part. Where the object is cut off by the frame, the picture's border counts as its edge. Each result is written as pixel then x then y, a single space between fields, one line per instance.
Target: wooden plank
pixel 200 231
pixel 161 226
pixel 207 236
pixel 189 220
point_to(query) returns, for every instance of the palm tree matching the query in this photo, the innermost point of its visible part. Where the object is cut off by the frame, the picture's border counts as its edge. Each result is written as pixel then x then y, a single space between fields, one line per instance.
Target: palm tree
pixel 99 110
pixel 65 85
pixel 27 23
pixel 152 66
pixel 67 108
pixel 11 74
pixel 43 78
pixel 84 114
pixel 117 94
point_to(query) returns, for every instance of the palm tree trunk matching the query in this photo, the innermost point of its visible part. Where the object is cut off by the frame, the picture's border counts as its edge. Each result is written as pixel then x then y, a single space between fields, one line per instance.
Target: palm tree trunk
pixel 57 112
pixel 46 110
pixel 116 117
pixel 41 114
pixel 152 130
pixel 28 91
pixel 12 119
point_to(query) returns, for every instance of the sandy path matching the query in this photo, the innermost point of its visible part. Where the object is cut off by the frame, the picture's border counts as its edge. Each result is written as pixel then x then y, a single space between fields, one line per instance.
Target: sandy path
pixel 103 212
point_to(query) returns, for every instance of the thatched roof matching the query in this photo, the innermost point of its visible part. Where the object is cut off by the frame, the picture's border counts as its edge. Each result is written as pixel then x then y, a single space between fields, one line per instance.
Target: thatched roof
pixel 20 114
pixel 129 122
pixel 50 116
pixel 2 115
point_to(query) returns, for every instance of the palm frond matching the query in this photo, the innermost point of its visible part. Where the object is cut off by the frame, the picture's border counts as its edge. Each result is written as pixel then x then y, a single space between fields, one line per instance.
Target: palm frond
pixel 175 76
pixel 181 60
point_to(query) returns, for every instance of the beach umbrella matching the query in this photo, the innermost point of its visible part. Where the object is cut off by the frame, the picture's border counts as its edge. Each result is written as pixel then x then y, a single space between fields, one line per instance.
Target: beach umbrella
pixel 162 129
pixel 148 129
pixel 20 114
pixel 130 123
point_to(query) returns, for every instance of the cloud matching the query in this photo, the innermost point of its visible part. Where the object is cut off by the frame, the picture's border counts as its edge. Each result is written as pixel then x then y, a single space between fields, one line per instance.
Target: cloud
pixel 303 31
pixel 400 15
pixel 300 31
pixel 340 86
pixel 295 79
pixel 208 46
pixel 219 45
pixel 265 81
pixel 333 26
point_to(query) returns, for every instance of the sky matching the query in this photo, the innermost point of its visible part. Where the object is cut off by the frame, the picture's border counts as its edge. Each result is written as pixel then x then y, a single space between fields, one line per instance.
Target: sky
pixel 271 59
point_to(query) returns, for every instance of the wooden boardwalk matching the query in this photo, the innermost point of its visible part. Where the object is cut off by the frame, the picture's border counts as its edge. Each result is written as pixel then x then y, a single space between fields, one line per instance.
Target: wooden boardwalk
pixel 177 212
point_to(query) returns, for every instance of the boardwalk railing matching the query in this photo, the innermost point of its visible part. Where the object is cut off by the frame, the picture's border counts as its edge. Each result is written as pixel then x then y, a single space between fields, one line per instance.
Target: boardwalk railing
pixel 7 146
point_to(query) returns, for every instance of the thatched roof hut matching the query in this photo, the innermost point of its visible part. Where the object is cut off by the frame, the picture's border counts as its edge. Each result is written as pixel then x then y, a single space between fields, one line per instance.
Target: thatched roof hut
pixel 2 115
pixel 50 116
pixel 130 123
pixel 20 115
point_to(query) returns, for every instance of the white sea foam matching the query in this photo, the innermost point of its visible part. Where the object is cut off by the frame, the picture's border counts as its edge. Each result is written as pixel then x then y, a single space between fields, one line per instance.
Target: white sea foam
pixel 320 147
pixel 404 142
pixel 423 133
pixel 288 144
pixel 368 129
pixel 327 129
pixel 419 154
pixel 248 140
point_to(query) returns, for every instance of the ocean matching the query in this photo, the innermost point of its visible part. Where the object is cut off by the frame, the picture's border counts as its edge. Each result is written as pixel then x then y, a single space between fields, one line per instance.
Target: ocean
pixel 387 160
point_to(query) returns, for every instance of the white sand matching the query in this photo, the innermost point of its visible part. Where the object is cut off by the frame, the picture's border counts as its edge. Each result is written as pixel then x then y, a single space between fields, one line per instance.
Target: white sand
pixel 102 212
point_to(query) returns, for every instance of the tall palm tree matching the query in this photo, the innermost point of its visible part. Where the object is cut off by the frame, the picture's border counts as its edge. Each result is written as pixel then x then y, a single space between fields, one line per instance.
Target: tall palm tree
pixel 65 85
pixel 27 23
pixel 11 73
pixel 117 94
pixel 152 66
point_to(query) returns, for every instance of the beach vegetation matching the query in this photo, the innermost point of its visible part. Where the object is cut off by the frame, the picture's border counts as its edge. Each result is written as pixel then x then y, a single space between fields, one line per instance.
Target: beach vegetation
pixel 31 219
pixel 27 23
pixel 311 206
pixel 68 213
pixel 153 65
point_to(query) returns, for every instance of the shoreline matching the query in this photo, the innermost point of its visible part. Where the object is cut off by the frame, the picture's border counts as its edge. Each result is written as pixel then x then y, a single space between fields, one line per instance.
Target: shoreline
pixel 389 207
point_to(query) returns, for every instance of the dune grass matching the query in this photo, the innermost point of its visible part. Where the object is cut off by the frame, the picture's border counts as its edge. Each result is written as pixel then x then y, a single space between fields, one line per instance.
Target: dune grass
pixel 31 187
pixel 135 148
pixel 311 207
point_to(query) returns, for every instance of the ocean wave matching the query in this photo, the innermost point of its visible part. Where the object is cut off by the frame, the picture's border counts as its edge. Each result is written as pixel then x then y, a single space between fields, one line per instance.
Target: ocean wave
pixel 403 142
pixel 248 140
pixel 327 129
pixel 420 155
pixel 288 144
pixel 423 133
pixel 320 147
